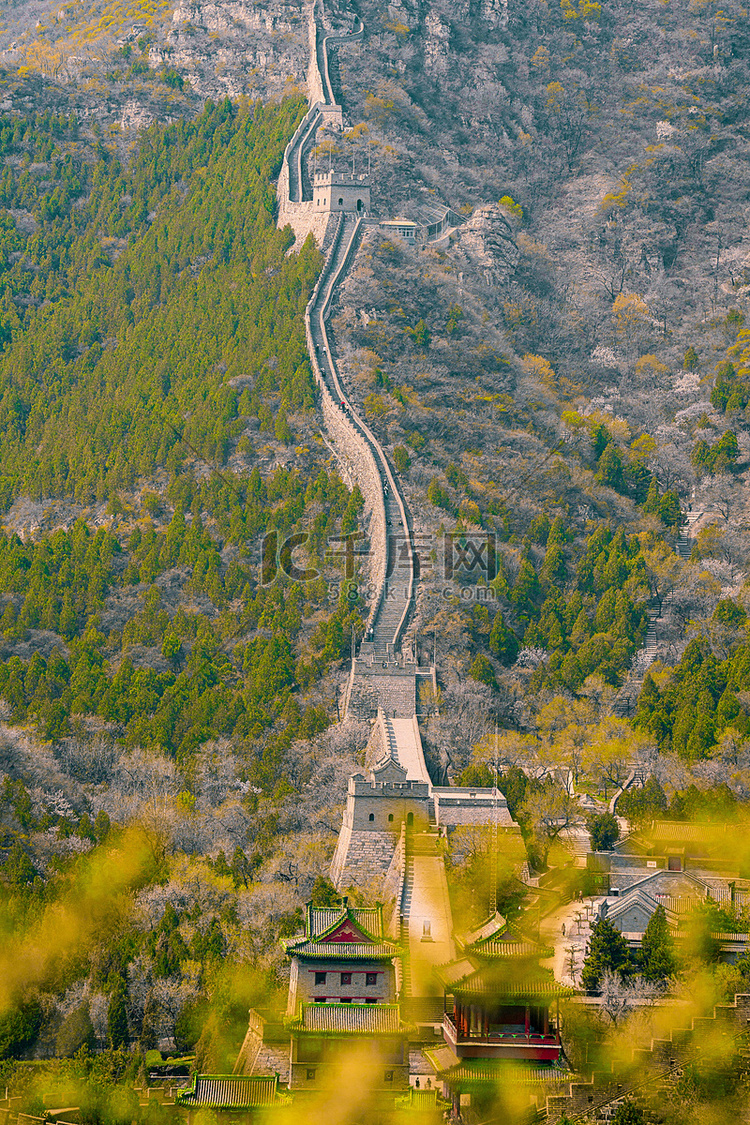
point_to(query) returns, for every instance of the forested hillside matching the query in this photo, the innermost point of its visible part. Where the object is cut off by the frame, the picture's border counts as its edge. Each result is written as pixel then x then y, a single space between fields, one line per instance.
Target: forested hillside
pixel 156 403
pixel 561 384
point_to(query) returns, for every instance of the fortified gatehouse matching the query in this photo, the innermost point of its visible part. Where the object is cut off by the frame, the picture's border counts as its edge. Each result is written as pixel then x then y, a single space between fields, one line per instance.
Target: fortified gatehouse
pixel 341 191
pixel 376 807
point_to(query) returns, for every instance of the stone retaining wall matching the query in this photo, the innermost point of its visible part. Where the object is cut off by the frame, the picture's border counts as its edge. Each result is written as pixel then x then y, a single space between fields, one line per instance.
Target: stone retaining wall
pixel 361 856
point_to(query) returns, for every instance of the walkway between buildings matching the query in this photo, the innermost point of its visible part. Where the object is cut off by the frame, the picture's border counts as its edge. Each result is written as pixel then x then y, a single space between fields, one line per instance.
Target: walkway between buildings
pixel 426 922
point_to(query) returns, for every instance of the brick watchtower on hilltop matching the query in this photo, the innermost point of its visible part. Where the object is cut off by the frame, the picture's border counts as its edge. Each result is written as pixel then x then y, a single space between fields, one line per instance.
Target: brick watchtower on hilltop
pixel 341 191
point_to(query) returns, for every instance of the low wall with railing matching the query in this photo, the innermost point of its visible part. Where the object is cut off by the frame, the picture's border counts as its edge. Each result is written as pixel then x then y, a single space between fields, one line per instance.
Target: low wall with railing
pixel 350 442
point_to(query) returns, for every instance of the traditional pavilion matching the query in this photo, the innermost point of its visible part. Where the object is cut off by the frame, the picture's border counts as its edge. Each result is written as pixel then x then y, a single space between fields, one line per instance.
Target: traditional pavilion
pixel 341 957
pixel 501 1014
pixel 342 992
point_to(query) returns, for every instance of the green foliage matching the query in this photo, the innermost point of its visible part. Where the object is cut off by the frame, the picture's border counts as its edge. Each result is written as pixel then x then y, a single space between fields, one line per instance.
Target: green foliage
pixel 76 1031
pixel 420 334
pixel 731 389
pixel 656 955
pixel 438 496
pixel 604 831
pixel 480 776
pixel 628 1113
pixel 503 642
pixel 645 803
pixel 509 204
pixel 514 785
pixel 607 950
pixel 666 506
pixel 132 347
pixel 117 1016
pixel 401 459
pixel 324 894
pixel 585 605
pixel 19 1027
pixel 716 458
pixel 691 362
pixel 482 671
pixel 611 469
pixel 699 702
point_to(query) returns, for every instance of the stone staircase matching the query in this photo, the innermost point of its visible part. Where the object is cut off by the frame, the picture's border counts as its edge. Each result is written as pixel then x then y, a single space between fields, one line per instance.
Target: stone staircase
pixel 648 1066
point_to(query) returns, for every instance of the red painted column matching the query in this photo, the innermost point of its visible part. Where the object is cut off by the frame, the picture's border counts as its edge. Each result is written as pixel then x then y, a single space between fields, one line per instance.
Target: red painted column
pixel 527 1019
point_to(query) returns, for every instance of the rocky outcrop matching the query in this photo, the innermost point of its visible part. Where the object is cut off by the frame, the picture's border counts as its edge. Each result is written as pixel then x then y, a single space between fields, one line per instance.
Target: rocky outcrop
pixel 232 47
pixel 487 242
pixel 437 44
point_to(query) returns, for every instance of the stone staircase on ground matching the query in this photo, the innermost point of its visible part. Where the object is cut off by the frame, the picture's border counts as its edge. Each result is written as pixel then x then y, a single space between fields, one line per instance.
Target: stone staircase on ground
pixel 605 1088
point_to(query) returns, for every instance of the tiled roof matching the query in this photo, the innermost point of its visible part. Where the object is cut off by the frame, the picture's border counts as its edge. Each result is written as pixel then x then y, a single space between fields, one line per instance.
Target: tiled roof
pixel 350 1019
pixel 532 985
pixel 455 971
pixel 224 1091
pixel 676 830
pixel 496 1071
pixel 513 949
pixel 494 925
pixel 321 919
pixel 343 950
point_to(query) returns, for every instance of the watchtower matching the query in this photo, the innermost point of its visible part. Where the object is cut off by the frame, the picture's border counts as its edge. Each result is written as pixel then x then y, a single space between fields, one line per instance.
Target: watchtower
pixel 341 191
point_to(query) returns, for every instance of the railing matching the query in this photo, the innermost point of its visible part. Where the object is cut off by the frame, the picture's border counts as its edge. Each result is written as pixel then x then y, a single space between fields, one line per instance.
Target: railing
pixel 502 1038
pixel 348 37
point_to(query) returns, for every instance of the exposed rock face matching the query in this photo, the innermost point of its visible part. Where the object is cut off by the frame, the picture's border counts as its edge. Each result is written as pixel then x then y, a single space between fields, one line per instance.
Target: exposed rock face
pixel 437 44
pixel 135 116
pixel 487 242
pixel 231 47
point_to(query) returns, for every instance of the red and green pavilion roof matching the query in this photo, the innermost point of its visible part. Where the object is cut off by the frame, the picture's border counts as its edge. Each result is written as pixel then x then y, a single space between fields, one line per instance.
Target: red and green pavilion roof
pixel 343 934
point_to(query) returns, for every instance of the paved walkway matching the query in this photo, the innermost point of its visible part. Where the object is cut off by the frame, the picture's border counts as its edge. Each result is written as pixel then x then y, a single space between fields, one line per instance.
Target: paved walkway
pixel 429 903
pixel 570 946
pixel 408 748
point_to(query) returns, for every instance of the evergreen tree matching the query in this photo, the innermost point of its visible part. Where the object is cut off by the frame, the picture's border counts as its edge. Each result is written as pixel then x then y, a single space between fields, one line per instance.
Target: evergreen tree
pixel 482 671
pixel 76 1031
pixel 611 468
pixel 691 362
pixel 607 950
pixel 117 1016
pixel 503 641
pixel 628 1113
pixel 656 955
pixel 604 831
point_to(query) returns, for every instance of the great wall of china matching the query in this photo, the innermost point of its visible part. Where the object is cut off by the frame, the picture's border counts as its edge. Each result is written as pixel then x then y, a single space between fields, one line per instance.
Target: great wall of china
pixel 394 814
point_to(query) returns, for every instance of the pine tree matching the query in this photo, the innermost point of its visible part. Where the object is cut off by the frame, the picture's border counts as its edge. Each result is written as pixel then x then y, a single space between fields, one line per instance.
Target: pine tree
pixel 607 950
pixel 503 641
pixel 656 956
pixel 691 362
pixel 117 1016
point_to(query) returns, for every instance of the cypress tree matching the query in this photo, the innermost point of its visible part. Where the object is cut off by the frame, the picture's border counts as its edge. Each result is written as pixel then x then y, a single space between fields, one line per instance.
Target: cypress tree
pixel 607 950
pixel 117 1017
pixel 657 956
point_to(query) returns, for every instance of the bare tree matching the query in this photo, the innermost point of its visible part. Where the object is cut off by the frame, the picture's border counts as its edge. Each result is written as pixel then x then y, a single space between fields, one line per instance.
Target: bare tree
pixel 620 997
